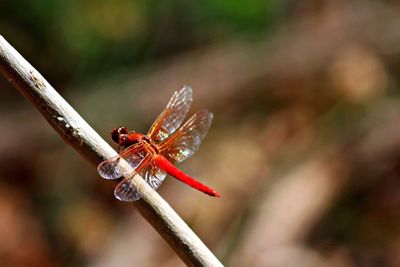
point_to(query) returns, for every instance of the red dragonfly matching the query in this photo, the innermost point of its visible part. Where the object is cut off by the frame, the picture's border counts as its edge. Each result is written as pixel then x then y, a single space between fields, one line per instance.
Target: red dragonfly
pixel 152 155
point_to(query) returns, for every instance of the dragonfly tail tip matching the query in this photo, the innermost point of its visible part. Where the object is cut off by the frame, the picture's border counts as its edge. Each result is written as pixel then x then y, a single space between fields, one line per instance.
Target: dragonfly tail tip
pixel 216 194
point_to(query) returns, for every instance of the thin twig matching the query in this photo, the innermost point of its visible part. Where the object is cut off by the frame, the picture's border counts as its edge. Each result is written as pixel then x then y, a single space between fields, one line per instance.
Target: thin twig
pixel 75 131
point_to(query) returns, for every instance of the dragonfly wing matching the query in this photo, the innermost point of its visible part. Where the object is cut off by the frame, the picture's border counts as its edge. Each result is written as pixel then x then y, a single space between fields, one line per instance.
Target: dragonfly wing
pixel 151 173
pixel 172 116
pixel 109 169
pixel 126 191
pixel 134 155
pixel 185 141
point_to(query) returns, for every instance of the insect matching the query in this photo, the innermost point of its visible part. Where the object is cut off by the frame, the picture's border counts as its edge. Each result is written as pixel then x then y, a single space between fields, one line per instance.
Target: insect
pixel 167 142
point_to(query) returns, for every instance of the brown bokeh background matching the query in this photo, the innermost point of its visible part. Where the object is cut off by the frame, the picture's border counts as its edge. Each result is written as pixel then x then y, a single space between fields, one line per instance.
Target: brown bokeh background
pixel 304 147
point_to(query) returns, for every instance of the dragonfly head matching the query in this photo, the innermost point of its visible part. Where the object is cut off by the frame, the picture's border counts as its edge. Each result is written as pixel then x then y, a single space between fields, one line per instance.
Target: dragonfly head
pixel 117 134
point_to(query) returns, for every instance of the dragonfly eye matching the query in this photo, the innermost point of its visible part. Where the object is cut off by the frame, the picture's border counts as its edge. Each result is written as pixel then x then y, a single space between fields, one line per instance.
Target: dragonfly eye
pixel 122 130
pixel 115 135
pixel 117 132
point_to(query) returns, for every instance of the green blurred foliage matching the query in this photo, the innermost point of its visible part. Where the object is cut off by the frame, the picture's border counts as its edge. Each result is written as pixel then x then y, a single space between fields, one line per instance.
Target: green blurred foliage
pixel 91 37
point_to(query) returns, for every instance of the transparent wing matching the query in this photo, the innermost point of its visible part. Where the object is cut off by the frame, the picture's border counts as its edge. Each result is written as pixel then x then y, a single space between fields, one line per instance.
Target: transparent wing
pixel 134 155
pixel 185 141
pixel 172 116
pixel 152 174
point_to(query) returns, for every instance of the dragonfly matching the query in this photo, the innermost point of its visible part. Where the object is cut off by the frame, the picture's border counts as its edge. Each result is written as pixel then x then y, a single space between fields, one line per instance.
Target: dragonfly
pixel 153 155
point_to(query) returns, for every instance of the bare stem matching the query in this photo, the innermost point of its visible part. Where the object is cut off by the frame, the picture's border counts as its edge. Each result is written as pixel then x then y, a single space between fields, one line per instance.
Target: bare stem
pixel 75 131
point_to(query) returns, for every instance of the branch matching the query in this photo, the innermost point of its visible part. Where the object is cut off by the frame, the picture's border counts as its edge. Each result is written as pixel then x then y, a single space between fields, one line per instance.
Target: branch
pixel 75 131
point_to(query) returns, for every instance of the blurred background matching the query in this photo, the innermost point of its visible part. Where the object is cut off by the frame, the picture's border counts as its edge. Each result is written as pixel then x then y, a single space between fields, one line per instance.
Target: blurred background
pixel 304 147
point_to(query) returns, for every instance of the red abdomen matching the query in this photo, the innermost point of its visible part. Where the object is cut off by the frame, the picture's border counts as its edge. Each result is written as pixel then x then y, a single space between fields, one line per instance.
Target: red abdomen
pixel 167 166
